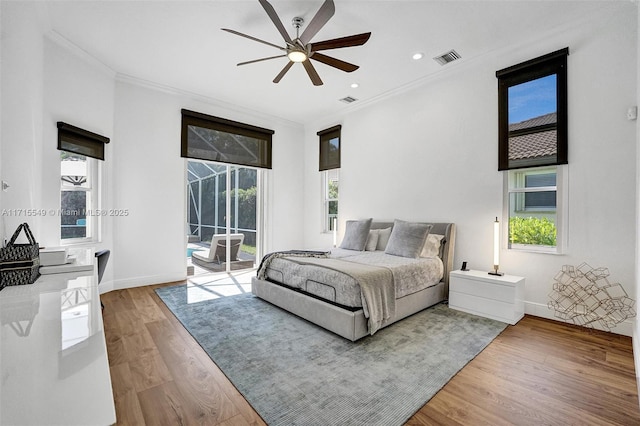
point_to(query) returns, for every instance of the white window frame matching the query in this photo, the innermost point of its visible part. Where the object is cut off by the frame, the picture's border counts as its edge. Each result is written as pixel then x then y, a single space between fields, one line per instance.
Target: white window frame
pixel 326 179
pixel 561 222
pixel 93 217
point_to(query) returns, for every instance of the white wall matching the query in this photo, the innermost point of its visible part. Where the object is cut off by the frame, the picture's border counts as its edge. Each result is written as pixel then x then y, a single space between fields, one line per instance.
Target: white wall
pixel 1 181
pixel 602 85
pixel 22 103
pixel 46 79
pixel 150 182
pixel 636 331
pixel 42 83
pixel 80 93
pixel 430 153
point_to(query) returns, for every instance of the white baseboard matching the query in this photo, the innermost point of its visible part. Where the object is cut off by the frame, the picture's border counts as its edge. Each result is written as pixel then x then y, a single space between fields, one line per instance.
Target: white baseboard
pixel 625 328
pixel 636 358
pixel 147 280
pixel 105 287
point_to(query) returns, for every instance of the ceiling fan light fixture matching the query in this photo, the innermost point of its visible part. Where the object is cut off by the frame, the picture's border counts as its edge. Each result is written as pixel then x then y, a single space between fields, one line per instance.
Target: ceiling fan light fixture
pixel 297 56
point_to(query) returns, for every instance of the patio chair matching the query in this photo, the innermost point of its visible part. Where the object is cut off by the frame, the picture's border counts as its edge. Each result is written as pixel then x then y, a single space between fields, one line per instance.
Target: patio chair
pixel 217 253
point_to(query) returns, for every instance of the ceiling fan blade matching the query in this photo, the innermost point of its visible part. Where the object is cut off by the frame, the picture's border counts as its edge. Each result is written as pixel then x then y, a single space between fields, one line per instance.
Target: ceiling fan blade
pixel 336 63
pixel 337 43
pixel 322 16
pixel 276 20
pixel 283 72
pixel 313 74
pixel 252 38
pixel 261 59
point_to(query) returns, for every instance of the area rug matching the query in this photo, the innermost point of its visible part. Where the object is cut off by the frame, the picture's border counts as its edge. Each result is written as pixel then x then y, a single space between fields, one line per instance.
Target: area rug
pixel 295 373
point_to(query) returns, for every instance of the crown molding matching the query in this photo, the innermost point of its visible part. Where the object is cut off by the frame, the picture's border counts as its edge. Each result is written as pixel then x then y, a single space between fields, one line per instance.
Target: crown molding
pixel 76 50
pixel 549 41
pixel 129 79
pixel 73 48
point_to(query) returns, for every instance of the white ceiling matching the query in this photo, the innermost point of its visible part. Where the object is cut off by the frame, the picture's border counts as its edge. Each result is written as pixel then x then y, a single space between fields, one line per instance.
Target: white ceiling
pixel 179 44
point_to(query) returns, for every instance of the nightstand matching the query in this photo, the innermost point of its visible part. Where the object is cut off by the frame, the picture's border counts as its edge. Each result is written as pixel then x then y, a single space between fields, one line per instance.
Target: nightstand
pixel 497 297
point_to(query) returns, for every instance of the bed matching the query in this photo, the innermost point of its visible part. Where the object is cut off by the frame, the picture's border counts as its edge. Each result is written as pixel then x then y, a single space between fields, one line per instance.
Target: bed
pixel 347 291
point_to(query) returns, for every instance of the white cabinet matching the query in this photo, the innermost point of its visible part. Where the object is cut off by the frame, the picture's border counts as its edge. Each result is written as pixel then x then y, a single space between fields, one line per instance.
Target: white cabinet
pixel 497 297
pixel 54 367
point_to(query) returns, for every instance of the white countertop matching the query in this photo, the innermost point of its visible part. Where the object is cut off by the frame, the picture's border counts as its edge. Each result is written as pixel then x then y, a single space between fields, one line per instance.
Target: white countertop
pixel 53 357
pixel 486 276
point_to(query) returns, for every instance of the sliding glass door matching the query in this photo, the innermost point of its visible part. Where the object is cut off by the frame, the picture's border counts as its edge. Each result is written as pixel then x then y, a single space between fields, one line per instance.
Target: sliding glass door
pixel 223 216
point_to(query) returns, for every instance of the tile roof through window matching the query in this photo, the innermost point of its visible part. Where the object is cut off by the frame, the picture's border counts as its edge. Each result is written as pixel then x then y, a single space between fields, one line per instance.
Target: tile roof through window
pixel 533 145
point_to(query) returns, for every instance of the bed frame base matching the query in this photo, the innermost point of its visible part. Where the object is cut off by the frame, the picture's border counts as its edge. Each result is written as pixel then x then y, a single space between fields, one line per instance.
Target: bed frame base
pixel 351 325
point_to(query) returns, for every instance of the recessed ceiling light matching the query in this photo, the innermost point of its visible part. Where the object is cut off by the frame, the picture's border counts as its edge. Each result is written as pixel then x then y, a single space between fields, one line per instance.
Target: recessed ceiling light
pixel 417 56
pixel 354 85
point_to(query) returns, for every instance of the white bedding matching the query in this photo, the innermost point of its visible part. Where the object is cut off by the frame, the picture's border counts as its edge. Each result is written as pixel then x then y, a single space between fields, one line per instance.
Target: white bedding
pixel 409 275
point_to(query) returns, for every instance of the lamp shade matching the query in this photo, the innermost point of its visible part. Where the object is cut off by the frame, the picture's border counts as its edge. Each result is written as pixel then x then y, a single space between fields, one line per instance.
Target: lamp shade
pixel 297 56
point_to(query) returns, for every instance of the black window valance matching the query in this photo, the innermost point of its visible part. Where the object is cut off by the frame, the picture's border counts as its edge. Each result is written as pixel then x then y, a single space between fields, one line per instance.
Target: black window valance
pixel 330 148
pixel 206 137
pixel 80 141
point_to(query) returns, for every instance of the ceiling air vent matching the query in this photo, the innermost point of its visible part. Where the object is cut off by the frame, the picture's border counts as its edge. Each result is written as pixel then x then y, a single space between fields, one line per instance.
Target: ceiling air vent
pixel 348 100
pixel 445 58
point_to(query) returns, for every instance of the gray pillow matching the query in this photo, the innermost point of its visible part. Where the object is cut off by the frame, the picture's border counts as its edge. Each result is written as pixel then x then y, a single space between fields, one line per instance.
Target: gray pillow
pixel 356 234
pixel 407 238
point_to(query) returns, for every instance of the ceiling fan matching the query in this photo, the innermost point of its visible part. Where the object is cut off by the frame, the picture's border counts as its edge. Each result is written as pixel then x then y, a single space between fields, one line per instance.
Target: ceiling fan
pixel 300 49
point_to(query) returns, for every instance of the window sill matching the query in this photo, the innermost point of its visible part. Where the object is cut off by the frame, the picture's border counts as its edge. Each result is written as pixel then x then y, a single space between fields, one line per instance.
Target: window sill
pixel 535 249
pixel 79 243
pixel 533 210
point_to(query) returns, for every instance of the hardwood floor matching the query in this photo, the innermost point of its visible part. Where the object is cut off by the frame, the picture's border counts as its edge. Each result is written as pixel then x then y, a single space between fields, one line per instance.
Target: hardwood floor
pixel 536 372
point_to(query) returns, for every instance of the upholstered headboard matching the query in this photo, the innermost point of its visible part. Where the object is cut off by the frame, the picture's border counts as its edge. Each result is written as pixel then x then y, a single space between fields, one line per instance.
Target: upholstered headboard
pixel 446 250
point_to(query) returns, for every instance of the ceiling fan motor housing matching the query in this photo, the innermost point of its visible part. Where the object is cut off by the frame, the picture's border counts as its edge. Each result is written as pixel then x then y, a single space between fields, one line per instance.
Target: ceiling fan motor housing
pixel 297 22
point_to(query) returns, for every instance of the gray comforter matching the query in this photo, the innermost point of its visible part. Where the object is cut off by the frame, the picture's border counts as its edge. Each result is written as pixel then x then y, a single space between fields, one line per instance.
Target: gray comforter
pixel 376 287
pixel 338 281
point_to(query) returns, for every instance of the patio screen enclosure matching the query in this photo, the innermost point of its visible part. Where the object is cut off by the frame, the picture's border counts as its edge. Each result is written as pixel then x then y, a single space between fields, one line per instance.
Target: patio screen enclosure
pixel 207 205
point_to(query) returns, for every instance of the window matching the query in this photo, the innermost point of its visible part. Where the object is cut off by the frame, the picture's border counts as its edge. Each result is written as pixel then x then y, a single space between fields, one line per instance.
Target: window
pixel 78 197
pixel 535 209
pixel 329 154
pixel 80 151
pixel 532 112
pixel 532 146
pixel 225 198
pixel 330 148
pixel 330 193
pixel 205 137
pixel 540 200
